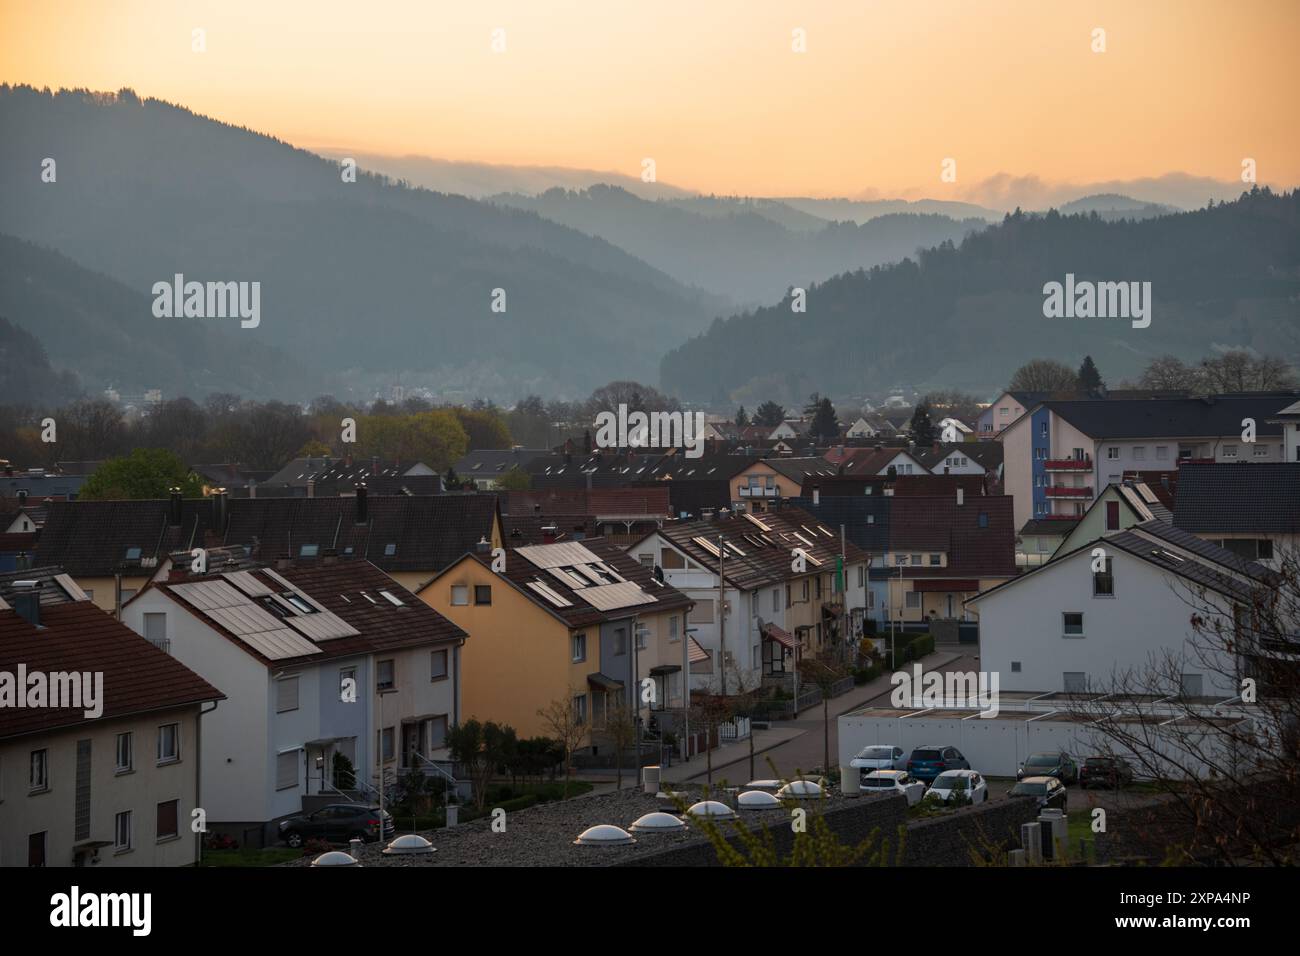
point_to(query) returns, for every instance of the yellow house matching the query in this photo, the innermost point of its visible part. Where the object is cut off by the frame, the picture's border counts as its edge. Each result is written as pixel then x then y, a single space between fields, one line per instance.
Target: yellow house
pixel 575 621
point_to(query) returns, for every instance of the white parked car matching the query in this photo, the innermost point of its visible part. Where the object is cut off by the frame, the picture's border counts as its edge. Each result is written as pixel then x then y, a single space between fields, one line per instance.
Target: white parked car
pixel 899 781
pixel 880 757
pixel 968 782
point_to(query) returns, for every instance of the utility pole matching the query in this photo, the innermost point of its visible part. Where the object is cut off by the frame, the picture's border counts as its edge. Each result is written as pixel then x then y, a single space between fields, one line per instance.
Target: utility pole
pixel 722 616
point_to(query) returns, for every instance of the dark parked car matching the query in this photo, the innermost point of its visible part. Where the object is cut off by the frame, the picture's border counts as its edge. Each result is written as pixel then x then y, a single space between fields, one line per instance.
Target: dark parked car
pixel 1109 772
pixel 926 763
pixel 1056 763
pixel 1048 791
pixel 337 823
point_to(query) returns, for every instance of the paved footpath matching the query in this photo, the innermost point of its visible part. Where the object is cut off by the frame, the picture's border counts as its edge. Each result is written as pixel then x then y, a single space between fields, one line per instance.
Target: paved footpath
pixel 798 745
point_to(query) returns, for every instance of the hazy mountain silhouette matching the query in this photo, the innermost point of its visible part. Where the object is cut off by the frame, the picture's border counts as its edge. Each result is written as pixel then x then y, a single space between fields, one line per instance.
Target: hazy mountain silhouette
pixel 737 249
pixel 864 210
pixel 479 180
pixel 106 333
pixel 966 316
pixel 370 282
pixel 1115 206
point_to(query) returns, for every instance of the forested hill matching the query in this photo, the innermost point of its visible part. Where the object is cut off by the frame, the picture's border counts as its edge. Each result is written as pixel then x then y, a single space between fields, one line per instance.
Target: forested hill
pixel 966 316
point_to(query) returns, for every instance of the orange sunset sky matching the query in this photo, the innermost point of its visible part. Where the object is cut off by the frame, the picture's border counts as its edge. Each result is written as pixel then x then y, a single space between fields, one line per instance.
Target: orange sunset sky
pixel 711 89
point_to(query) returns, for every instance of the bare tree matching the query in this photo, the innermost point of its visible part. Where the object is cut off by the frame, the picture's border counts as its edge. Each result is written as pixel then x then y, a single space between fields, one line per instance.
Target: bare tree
pixel 824 671
pixel 568 726
pixel 621 730
pixel 1227 767
pixel 1043 375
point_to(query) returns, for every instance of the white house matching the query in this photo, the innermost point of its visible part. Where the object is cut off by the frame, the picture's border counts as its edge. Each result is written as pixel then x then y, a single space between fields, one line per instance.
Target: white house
pixel 318 660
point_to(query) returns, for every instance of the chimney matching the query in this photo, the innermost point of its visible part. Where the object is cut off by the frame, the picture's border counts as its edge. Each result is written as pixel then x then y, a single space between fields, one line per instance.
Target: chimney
pixel 311 487
pixel 9 469
pixel 484 546
pixel 330 556
pixel 174 512
pixel 252 487
pixel 220 507
pixel 284 562
pixel 22 497
pixel 363 506
pixel 27 601
pixel 961 496
pixel 549 534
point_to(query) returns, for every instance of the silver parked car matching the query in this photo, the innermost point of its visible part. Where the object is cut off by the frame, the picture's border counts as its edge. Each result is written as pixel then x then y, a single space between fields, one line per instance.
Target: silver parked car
pixel 880 757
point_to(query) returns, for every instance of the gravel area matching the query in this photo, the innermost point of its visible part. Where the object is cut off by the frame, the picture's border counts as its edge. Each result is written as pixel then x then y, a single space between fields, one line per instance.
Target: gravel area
pixel 543 835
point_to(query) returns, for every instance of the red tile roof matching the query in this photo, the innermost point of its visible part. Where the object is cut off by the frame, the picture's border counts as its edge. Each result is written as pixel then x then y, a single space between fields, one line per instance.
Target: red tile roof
pixel 138 677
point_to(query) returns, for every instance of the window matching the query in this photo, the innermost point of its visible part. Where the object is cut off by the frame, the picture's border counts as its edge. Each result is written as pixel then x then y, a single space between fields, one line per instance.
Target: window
pixel 1112 516
pixel 916 560
pixel 640 638
pixel 1265 549
pixel 286 695
pixel 390 549
pixel 123 760
pixel 984 518
pixel 647 560
pixel 1193 685
pixel 38 776
pixel 620 641
pixel 387 739
pixel 862 575
pixel 1139 452
pixel 1162 452
pixel 385 672
pixel 1112 454
pixel 1015 667
pixel 155 630
pixel 580 709
pixel 1229 451
pixel 913 599
pixel 936 560
pixel 286 770
pixel 673 634
pixel 1040 454
pixel 309 550
pixel 122 831
pixel 169 743
pixel 1076 682
pixel 438 665
pixel 1260 451
pixel 1103 582
pixel 459 595
pixel 579 647
pixel 776 599
pixel 168 823
pixel 437 732
pixel 36 849
pixel 482 594
pixel 1072 623
pixel 1042 431
pixel 669 559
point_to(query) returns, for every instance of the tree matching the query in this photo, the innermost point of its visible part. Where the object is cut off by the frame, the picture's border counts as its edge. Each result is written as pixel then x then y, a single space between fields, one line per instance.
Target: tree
pixel 769 415
pixel 481 748
pixel 90 430
pixel 1228 772
pixel 823 671
pixel 1089 378
pixel 516 479
pixel 921 428
pixel 1241 371
pixel 621 729
pixel 567 726
pixel 1169 373
pixel 145 473
pixel 1043 375
pixel 315 448
pixel 484 428
pixel 953 403
pixel 742 418
pixel 824 424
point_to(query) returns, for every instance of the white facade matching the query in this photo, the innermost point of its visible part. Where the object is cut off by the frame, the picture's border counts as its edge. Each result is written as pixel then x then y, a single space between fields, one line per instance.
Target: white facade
pixel 1024 639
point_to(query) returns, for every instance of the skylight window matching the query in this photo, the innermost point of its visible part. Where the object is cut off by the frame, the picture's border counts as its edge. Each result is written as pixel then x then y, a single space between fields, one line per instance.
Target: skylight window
pixel 368 598
pixel 392 598
pixel 309 550
pixel 133 554
pixel 299 603
pixel 390 549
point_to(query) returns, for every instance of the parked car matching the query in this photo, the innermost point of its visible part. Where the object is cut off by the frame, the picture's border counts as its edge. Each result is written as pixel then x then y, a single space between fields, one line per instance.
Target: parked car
pixel 926 763
pixel 966 782
pixel 337 823
pixel 880 757
pixel 1110 772
pixel 1048 791
pixel 1053 763
pixel 899 781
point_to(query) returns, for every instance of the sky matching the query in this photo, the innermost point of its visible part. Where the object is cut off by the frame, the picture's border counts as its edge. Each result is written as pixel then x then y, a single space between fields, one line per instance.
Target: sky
pixel 713 90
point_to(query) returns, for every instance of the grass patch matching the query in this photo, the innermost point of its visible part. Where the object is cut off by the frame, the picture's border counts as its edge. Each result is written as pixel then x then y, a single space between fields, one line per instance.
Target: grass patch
pixel 270 856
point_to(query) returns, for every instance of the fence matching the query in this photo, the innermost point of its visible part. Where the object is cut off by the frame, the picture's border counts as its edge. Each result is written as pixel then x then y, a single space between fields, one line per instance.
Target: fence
pixel 733 730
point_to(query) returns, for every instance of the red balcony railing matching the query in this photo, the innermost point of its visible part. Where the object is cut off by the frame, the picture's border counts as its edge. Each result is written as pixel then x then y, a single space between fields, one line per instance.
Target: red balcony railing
pixel 1069 492
pixel 1068 464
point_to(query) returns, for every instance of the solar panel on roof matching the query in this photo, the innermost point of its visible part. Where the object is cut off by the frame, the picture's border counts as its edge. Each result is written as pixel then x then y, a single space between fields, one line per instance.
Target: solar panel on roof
pixel 563 554
pixel 708 546
pixel 235 612
pixel 540 588
pixel 609 597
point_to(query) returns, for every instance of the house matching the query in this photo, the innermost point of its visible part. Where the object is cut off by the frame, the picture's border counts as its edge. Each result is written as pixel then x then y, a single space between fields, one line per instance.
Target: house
pixel 963 458
pixel 232 477
pixel 113 785
pixel 332 671
pixel 608 512
pixel 37 484
pixel 942 551
pixel 484 466
pixel 775 605
pixel 1253 512
pixel 1064 627
pixel 764 482
pixel 877 460
pixel 570 621
pixel 1040 538
pixel 1118 508
pixel 325 476
pixel 16 550
pixel 1059 454
pixel 789 430
pixel 897 485
pixel 112 545
pixel 954 430
pixel 1288 419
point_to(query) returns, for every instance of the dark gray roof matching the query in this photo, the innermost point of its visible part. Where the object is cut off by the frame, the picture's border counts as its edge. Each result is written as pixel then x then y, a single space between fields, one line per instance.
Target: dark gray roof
pixel 865 518
pixel 1050 526
pixel 1206 573
pixel 491 462
pixel 1175 418
pixel 1259 497
pixel 1203 549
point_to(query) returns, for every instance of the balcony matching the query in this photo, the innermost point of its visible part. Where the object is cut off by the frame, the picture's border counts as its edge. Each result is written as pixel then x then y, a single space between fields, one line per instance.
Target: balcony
pixel 1068 464
pixel 1077 494
pixel 747 491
